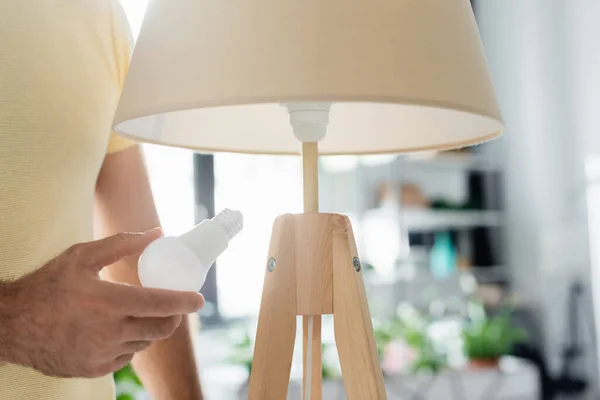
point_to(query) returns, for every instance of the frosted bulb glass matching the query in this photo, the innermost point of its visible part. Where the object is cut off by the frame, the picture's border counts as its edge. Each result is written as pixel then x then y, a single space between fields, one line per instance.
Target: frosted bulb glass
pixel 182 262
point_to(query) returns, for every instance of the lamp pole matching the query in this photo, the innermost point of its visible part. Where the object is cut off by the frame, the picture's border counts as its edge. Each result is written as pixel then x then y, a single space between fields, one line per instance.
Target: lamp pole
pixel 311 325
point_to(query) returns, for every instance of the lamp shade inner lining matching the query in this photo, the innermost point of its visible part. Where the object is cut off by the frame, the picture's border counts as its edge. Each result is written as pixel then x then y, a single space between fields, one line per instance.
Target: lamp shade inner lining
pixel 354 128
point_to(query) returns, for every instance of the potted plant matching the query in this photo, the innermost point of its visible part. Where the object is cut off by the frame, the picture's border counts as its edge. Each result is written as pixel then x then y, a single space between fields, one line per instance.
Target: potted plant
pixel 487 340
pixel 428 358
pixel 404 345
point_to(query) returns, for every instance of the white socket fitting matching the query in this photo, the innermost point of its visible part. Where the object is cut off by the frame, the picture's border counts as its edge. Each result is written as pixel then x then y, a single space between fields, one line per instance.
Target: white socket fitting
pixel 309 120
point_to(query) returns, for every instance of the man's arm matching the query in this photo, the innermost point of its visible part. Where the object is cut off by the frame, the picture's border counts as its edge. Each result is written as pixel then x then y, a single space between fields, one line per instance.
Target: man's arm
pixel 125 204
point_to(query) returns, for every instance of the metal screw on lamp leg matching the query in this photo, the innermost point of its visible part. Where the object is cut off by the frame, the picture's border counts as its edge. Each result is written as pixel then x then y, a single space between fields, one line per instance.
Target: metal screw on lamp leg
pixel 356 263
pixel 271 265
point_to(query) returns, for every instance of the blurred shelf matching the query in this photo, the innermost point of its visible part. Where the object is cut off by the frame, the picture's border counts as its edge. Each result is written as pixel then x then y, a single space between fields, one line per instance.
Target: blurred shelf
pixel 453 159
pixel 490 274
pixel 427 219
pixel 482 274
pixel 413 219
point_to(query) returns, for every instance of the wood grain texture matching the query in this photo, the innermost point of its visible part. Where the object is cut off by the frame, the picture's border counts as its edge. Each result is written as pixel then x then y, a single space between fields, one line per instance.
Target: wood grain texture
pixel 276 333
pixel 314 264
pixel 310 174
pixel 355 341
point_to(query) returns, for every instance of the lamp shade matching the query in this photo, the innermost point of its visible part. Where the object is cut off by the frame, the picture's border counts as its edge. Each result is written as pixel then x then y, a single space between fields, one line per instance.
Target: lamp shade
pixel 402 75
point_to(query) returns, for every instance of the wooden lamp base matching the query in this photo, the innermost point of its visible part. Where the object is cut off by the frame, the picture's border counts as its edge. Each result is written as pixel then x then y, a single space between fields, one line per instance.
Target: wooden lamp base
pixel 313 269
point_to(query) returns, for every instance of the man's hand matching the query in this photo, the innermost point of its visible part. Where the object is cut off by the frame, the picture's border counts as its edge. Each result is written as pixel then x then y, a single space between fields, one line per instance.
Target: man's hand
pixel 64 321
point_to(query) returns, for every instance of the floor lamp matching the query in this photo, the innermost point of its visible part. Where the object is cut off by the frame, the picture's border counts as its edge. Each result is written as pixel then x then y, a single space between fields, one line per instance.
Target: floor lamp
pixel 310 77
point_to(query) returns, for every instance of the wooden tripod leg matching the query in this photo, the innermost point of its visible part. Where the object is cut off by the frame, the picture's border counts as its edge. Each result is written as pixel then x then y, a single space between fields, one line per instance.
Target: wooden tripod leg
pixel 356 346
pixel 276 333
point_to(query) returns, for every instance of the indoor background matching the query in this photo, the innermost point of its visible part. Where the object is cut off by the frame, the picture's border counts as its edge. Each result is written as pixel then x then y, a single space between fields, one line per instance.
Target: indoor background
pixel 485 254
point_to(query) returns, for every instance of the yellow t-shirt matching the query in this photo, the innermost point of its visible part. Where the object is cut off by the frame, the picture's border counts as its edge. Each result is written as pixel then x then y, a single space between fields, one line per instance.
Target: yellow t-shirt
pixel 62 64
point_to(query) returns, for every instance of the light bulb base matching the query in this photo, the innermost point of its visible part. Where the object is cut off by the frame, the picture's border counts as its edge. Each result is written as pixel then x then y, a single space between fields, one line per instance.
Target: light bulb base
pixel 232 222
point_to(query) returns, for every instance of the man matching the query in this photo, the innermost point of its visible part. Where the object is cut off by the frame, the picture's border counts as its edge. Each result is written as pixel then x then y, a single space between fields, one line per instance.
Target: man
pixel 62 329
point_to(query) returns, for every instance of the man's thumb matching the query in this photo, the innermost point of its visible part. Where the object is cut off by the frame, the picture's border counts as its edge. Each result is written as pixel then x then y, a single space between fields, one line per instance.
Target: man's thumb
pixel 107 251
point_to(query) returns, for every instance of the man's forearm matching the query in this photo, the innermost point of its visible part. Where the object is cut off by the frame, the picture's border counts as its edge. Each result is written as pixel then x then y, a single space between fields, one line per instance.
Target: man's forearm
pixel 172 360
pixel 124 203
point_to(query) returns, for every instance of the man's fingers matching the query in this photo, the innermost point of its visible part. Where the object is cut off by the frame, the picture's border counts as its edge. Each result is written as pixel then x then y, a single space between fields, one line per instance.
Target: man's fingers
pixel 116 364
pixel 107 251
pixel 134 347
pixel 151 329
pixel 137 301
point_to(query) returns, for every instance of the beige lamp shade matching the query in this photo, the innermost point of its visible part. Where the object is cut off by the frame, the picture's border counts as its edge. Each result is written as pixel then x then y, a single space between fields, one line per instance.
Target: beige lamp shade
pixel 403 75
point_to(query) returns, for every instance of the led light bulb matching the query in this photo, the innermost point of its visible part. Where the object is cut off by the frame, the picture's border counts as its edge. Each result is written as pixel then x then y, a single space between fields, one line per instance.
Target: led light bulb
pixel 182 262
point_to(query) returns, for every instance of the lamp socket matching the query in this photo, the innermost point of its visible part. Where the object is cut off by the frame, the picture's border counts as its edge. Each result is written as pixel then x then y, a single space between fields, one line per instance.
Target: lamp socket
pixel 309 120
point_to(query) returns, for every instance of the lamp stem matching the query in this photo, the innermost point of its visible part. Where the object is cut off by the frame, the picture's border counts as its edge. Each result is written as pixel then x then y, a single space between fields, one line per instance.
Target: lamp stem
pixel 310 175
pixel 312 382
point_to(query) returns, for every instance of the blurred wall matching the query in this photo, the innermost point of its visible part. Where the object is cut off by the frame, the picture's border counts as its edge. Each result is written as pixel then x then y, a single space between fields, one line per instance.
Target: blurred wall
pixel 545 63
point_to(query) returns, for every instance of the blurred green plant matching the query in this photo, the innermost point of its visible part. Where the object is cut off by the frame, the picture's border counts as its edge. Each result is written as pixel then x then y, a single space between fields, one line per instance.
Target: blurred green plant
pixel 428 357
pixel 127 374
pixel 412 332
pixel 386 332
pixel 242 351
pixel 127 383
pixel 328 371
pixel 491 338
